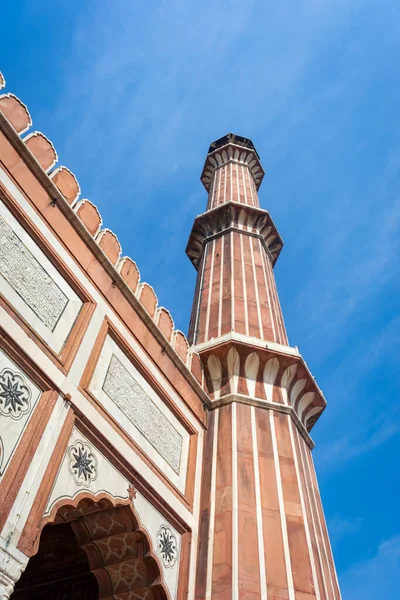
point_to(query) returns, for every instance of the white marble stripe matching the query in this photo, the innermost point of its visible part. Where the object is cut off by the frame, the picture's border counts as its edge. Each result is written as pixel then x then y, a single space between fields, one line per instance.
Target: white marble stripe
pixel 235 511
pixel 200 293
pixel 273 298
pixel 279 309
pixel 329 544
pixel 260 533
pixel 285 538
pixel 231 181
pixel 263 258
pixel 217 188
pixel 225 168
pixel 211 532
pixel 232 283
pixel 303 508
pixel 253 202
pixel 236 197
pixel 211 192
pixel 244 185
pixel 326 558
pixel 221 279
pixel 256 287
pixel 326 530
pixel 209 291
pixel 272 288
pixel 246 316
pixel 301 444
pixel 196 516
pixel 326 527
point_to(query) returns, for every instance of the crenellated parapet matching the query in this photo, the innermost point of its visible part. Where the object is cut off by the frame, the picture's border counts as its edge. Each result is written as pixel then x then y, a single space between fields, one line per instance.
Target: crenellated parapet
pixel 45 155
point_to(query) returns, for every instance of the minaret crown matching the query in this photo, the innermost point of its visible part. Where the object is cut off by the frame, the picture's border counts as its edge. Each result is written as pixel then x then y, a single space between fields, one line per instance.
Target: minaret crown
pixel 232 148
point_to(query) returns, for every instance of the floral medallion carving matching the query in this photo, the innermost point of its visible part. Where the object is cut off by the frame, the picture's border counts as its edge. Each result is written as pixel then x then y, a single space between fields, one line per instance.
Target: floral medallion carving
pixel 15 394
pixel 167 546
pixel 82 463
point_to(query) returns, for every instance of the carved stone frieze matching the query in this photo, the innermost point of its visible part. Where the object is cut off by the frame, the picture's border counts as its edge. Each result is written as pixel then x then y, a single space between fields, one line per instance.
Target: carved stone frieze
pixel 29 279
pixel 136 404
pixel 11 569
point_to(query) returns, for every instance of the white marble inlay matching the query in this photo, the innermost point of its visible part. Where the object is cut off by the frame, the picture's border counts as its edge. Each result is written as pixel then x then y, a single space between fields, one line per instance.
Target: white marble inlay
pixel 124 390
pixel 33 286
pixel 29 279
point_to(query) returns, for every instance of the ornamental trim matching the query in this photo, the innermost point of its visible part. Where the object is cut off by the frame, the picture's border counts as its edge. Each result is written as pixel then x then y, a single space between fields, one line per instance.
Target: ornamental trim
pixel 15 394
pixel 82 463
pixel 167 546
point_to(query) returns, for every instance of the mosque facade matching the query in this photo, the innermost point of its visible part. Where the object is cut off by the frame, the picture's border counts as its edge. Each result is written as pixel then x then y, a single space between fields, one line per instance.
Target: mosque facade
pixel 137 463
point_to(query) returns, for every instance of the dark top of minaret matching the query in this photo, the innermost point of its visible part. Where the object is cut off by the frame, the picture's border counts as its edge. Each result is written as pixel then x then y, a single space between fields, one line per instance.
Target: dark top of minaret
pixel 232 138
pixel 234 149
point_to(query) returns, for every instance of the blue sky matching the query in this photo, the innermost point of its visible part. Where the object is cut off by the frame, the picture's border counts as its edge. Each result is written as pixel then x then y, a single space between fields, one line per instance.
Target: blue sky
pixel 131 94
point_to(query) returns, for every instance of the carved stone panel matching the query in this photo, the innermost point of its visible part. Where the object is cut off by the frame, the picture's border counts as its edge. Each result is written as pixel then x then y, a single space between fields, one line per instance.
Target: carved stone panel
pixel 136 404
pixel 29 279
pixel 32 285
pixel 138 409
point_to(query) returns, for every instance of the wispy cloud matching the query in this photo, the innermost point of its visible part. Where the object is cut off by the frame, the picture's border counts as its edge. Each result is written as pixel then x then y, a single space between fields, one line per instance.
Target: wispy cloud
pixel 377 577
pixel 335 455
pixel 342 527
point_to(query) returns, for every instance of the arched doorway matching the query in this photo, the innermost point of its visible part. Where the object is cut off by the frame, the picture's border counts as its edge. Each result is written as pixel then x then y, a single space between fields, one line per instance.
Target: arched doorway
pixel 89 552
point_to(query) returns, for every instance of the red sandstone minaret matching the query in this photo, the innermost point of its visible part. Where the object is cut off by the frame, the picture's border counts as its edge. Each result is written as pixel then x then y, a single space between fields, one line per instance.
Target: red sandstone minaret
pixel 262 531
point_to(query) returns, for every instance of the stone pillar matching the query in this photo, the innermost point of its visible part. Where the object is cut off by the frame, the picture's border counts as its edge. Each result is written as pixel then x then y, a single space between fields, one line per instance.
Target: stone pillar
pixel 263 533
pixel 234 245
pixel 12 565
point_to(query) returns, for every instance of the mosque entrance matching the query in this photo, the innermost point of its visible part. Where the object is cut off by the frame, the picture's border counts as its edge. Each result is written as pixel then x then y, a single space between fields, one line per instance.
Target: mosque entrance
pixel 90 552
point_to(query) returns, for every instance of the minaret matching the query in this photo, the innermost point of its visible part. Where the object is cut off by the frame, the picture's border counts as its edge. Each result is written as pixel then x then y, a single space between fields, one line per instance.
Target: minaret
pixel 262 532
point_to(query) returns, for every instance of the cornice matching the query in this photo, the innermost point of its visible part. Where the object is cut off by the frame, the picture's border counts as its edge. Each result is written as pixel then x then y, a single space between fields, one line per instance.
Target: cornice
pixel 247 340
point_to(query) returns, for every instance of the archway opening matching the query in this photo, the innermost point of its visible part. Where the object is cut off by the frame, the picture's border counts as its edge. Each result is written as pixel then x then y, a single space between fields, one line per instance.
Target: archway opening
pixel 59 570
pixel 90 552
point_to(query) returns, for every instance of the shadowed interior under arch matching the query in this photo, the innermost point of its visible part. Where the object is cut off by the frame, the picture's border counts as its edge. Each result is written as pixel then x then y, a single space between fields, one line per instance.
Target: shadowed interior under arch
pixel 94 551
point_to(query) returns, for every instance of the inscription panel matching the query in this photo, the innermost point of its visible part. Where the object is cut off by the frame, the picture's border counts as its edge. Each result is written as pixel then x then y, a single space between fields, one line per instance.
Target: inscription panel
pixel 32 284
pixel 130 399
pixel 29 279
pixel 129 396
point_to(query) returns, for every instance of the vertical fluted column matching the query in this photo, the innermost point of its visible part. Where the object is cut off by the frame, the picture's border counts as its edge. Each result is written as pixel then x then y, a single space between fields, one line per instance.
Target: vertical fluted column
pixel 235 288
pixel 266 532
pixel 263 533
